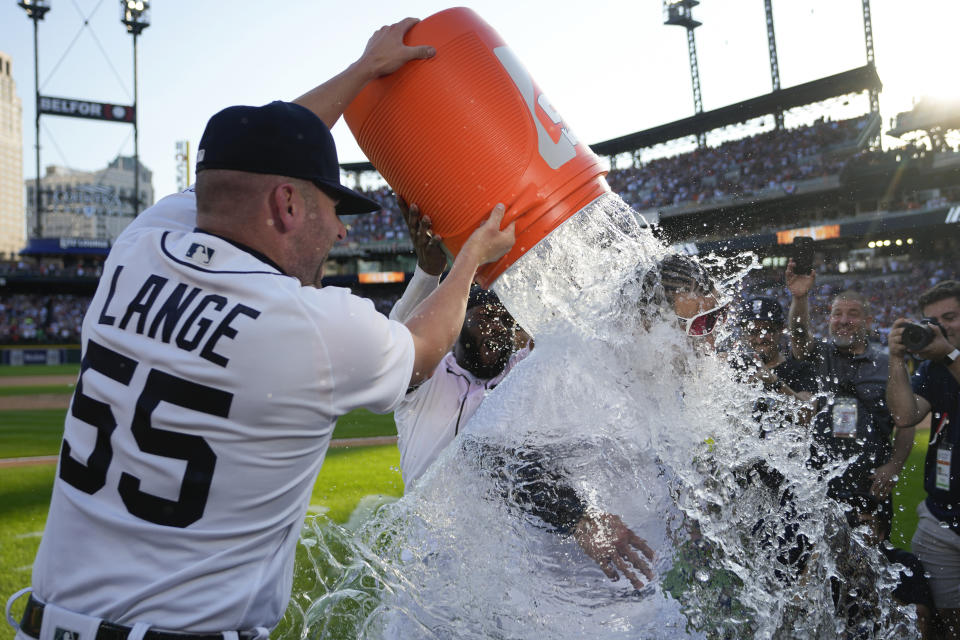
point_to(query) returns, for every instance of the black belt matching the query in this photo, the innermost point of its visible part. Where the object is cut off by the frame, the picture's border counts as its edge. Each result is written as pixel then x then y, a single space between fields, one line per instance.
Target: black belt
pixel 33 617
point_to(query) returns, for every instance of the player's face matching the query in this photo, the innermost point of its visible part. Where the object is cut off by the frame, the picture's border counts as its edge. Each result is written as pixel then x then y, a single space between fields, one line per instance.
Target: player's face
pixel 486 341
pixel 947 313
pixel 321 231
pixel 848 323
pixel 764 338
pixel 688 305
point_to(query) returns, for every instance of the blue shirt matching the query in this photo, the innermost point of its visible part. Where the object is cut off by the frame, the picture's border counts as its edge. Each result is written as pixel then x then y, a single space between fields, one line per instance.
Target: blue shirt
pixel 934 383
pixel 862 376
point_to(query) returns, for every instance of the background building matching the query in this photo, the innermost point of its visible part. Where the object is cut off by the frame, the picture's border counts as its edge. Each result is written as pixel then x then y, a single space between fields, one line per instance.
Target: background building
pixel 89 204
pixel 12 224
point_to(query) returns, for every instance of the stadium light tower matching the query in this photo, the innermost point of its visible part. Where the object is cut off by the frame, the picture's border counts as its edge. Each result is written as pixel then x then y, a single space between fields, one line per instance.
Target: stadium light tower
pixel 36 9
pixel 871 60
pixel 774 65
pixel 135 15
pixel 680 13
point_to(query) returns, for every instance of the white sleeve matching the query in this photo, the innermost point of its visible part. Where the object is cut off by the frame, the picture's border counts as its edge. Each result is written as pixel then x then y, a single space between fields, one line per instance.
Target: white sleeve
pixel 371 357
pixel 177 212
pixel 421 285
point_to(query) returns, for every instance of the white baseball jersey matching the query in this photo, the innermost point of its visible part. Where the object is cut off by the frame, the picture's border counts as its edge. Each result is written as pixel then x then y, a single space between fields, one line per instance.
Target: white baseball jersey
pixel 210 385
pixel 431 415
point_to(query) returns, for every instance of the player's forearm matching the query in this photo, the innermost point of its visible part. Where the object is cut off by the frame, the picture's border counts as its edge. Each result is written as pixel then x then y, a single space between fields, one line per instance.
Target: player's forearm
pixel 902 445
pixel 901 401
pixel 533 485
pixel 799 322
pixel 329 100
pixel 436 322
pixel 546 494
pixel 421 285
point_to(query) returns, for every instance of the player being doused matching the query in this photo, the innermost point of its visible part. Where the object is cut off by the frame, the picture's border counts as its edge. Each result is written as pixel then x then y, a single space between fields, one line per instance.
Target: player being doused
pixel 677 290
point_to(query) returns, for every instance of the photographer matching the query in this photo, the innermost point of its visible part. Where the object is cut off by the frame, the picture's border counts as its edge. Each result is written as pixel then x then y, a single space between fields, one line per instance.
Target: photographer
pixel 852 420
pixel 934 389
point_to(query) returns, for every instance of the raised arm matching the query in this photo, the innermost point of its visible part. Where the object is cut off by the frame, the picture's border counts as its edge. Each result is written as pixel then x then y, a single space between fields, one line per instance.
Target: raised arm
pixel 431 261
pixel 384 54
pixel 906 407
pixel 436 322
pixel 799 285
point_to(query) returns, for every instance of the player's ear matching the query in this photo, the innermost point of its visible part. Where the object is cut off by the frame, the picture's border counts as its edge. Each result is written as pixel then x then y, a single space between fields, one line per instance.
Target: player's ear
pixel 286 207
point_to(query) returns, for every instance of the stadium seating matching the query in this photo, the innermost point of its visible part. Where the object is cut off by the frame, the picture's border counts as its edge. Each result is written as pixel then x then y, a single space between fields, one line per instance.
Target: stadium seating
pixel 773 160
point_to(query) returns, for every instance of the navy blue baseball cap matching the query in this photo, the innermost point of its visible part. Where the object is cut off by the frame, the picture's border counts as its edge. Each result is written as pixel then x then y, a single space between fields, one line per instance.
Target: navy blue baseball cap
pixel 280 138
pixel 763 309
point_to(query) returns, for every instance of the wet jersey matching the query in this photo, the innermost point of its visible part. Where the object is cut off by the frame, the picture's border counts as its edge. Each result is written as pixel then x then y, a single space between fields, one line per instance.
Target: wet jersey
pixel 210 385
pixel 431 415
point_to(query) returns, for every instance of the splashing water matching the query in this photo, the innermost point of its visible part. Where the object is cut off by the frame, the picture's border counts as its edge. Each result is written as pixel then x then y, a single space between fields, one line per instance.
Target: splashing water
pixel 643 423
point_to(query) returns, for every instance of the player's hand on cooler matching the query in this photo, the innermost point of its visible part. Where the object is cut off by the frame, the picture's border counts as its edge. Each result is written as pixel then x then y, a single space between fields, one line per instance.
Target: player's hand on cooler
pixel 613 546
pixel 426 244
pixel 489 242
pixel 385 51
pixel 799 284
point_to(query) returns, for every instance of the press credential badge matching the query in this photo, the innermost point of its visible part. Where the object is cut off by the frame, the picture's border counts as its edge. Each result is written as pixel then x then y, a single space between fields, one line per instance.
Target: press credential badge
pixel 944 453
pixel 844 418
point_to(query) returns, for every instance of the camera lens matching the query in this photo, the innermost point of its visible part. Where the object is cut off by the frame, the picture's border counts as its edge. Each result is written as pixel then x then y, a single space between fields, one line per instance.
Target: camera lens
pixel 917 336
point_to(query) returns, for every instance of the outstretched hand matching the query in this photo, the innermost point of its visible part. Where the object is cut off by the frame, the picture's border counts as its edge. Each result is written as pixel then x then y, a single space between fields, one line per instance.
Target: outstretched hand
pixel 385 51
pixel 613 546
pixel 426 244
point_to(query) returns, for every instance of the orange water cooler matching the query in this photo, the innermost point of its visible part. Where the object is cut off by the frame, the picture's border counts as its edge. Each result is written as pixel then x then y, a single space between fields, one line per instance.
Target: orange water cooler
pixel 469 128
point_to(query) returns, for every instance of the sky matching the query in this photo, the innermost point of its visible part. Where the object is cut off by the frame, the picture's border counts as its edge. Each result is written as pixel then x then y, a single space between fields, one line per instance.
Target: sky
pixel 609 67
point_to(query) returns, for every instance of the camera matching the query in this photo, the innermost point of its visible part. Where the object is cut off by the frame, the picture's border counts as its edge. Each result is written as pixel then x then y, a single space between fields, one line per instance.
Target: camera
pixel 916 336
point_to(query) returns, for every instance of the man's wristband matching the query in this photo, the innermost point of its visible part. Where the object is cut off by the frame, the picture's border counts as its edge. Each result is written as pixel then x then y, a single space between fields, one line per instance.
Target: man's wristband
pixel 951 357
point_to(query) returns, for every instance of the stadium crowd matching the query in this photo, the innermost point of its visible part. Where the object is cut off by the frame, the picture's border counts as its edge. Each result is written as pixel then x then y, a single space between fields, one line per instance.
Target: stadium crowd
pixel 892 291
pixel 41 319
pixel 769 160
pixel 383 226
pixel 22 268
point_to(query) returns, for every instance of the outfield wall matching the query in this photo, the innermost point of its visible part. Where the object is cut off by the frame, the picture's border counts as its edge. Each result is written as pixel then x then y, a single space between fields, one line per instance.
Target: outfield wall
pixel 40 354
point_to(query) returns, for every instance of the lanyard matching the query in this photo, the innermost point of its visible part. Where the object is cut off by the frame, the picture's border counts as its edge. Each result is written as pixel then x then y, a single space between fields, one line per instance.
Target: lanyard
pixel 944 419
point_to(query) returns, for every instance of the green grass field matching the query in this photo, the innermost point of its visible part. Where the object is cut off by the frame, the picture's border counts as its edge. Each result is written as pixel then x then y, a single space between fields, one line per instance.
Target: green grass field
pixel 40 370
pixel 60 389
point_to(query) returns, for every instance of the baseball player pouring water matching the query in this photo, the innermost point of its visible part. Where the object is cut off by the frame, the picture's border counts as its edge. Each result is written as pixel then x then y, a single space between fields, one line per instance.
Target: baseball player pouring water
pixel 214 369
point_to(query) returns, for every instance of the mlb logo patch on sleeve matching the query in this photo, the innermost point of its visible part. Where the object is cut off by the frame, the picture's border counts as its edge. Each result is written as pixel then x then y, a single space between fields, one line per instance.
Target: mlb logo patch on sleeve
pixel 200 253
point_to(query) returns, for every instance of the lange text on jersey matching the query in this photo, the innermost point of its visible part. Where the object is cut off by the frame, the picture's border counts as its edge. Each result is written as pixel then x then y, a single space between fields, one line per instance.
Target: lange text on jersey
pixel 159 316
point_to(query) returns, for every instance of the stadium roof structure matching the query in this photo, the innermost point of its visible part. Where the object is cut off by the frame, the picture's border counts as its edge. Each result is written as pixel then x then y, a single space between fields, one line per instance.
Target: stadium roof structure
pixel 928 114
pixel 863 78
